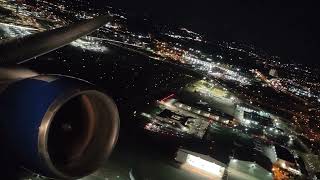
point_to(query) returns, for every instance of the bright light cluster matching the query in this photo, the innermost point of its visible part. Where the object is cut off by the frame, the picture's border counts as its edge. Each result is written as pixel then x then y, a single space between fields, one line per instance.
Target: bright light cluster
pixel 216 70
pixel 15 31
pixel 202 164
pixel 89 44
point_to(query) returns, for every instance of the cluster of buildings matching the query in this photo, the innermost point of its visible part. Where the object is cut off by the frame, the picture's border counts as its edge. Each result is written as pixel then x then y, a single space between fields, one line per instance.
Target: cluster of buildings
pixel 261 145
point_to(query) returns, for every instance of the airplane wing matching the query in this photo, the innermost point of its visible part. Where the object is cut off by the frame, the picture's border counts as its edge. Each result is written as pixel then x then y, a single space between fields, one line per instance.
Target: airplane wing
pixel 19 50
pixel 58 126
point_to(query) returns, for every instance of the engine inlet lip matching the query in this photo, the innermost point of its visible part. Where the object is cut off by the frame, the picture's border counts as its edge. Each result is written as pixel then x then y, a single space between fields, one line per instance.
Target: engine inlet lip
pixel 49 116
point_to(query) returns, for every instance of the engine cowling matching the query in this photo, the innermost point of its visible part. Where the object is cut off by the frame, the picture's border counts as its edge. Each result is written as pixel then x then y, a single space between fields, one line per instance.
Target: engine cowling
pixel 58 126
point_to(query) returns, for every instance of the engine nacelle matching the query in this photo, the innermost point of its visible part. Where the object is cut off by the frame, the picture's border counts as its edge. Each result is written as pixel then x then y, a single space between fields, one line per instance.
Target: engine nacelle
pixel 58 126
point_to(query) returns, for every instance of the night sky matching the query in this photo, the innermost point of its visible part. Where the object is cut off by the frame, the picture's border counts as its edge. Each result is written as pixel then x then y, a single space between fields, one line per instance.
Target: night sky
pixel 286 29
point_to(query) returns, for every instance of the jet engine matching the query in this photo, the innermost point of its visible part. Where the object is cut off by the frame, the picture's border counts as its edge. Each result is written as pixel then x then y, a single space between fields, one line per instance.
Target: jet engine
pixel 57 126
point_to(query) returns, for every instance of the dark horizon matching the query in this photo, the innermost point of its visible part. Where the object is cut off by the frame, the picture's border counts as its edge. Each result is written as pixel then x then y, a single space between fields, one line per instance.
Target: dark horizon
pixel 288 30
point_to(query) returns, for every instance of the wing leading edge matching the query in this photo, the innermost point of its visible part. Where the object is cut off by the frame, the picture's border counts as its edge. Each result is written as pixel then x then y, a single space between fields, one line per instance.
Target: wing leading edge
pixel 19 50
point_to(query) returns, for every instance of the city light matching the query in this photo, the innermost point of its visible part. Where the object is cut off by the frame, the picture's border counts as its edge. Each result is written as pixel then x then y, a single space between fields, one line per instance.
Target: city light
pixel 224 87
pixel 89 44
pixel 205 165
